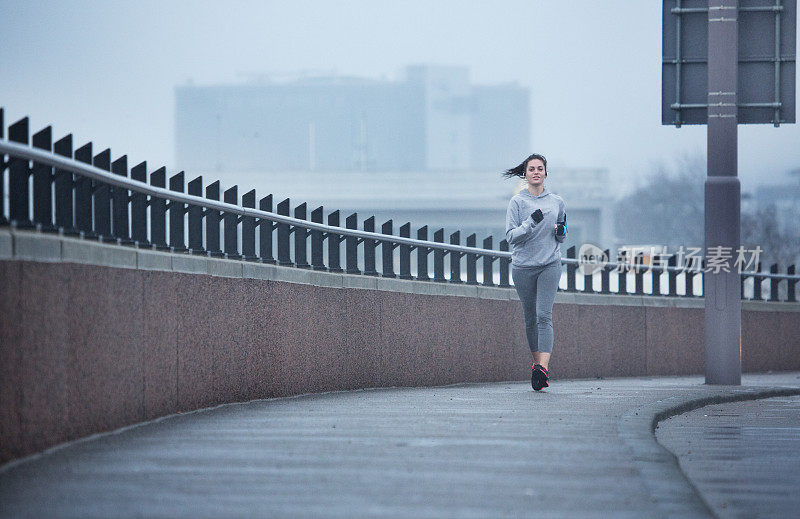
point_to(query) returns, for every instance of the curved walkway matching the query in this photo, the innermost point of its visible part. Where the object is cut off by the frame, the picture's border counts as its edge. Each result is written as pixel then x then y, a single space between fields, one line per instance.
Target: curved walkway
pixel 582 448
pixel 744 457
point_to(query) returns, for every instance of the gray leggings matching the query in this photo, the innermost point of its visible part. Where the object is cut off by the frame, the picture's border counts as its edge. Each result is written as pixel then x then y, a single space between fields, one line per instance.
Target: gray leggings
pixel 537 288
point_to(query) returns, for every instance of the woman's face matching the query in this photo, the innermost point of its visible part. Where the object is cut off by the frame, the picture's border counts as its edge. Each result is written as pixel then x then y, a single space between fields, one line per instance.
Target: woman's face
pixel 535 172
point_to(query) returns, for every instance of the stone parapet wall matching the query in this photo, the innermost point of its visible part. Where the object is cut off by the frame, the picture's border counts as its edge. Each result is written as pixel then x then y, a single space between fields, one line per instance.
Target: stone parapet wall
pixel 94 337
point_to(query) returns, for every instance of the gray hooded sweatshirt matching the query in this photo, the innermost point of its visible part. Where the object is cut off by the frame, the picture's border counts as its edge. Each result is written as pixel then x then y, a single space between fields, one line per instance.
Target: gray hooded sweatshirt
pixel 534 244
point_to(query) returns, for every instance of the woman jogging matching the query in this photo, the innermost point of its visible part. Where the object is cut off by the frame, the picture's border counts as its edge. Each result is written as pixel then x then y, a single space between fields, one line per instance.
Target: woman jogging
pixel 536 224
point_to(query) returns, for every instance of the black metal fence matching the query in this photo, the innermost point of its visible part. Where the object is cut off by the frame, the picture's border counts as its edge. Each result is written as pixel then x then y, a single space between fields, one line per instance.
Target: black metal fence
pixel 57 188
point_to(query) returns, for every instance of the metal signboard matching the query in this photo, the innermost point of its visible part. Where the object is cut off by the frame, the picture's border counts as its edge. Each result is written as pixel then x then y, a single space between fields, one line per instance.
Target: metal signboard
pixel 766 80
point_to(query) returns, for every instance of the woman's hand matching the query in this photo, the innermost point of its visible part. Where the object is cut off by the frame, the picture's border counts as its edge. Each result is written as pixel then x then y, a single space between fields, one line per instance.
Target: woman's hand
pixel 561 228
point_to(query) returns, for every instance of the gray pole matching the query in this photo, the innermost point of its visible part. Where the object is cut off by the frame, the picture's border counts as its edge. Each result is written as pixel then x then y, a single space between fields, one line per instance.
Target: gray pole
pixel 723 305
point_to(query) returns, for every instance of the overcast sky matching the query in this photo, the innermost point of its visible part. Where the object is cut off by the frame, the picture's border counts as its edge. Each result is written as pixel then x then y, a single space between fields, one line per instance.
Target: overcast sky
pixel 106 70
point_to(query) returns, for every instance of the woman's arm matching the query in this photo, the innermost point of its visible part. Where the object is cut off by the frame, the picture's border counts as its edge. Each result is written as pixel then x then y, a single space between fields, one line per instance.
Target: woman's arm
pixel 518 226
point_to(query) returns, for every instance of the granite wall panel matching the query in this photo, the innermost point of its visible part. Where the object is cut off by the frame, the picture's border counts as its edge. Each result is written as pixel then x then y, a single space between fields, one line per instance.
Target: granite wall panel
pixel 292 314
pixel 196 356
pixel 494 343
pixel 159 343
pixel 42 356
pixel 363 346
pixel 434 338
pixel 594 341
pixel 11 326
pixel 399 325
pixel 227 337
pixel 260 368
pixel 471 354
pixel 790 338
pixel 675 342
pixel 326 341
pixel 768 337
pixel 104 355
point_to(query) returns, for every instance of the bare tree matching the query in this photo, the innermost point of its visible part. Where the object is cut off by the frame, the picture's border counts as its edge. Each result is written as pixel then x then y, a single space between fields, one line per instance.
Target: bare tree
pixel 667 209
pixel 760 228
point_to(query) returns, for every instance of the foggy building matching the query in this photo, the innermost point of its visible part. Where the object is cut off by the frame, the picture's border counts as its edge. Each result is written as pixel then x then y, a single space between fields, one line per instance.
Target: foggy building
pixel 432 119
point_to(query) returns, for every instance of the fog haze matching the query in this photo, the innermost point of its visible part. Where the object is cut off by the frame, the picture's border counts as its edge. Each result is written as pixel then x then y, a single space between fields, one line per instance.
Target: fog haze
pixel 106 71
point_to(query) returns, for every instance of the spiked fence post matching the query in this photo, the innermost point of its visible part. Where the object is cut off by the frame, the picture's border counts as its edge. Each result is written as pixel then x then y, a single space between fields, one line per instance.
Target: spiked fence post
pixel 571 270
pixel 195 188
pixel 455 259
pixel 472 261
pixel 773 283
pixel 249 228
pixel 139 208
pixel 488 271
pixel 387 251
pixel 300 239
pixel 283 236
pixel 101 194
pixel 422 255
pixel 213 219
pixel 622 275
pixel 438 258
pixel 43 184
pixel 158 211
pixel 120 198
pixel 317 241
pixel 19 194
pixel 405 252
pixel 605 275
pixel 265 228
pixel 230 224
pixel 351 245
pixel 64 185
pixel 177 210
pixel 83 195
pixel 638 274
pixel 334 244
pixel 369 248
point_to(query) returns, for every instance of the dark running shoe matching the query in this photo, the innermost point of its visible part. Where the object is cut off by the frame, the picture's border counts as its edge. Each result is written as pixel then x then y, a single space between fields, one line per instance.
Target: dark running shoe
pixel 539 377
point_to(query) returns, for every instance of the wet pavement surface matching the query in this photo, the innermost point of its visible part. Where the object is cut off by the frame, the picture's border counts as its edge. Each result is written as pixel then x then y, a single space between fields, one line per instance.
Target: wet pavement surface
pixel 578 449
pixel 744 457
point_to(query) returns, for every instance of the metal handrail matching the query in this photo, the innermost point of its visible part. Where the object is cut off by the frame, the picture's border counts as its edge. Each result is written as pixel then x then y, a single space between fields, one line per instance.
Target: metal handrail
pixel 57 161
pixel 90 171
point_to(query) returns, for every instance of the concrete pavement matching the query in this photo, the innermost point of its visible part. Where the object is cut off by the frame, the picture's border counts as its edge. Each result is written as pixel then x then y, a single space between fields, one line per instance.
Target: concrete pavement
pixel 744 457
pixel 581 448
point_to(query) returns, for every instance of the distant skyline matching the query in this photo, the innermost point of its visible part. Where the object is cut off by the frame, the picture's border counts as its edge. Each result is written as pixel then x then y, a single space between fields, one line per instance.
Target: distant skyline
pixel 434 119
pixel 107 71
